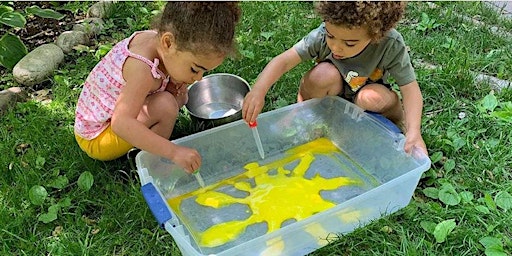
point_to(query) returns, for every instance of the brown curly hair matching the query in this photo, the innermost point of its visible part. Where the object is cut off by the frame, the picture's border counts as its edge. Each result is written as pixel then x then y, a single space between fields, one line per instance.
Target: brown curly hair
pixel 378 17
pixel 201 27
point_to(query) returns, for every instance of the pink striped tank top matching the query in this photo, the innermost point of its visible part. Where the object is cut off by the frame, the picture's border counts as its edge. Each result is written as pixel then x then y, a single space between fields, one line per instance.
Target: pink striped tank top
pixel 102 87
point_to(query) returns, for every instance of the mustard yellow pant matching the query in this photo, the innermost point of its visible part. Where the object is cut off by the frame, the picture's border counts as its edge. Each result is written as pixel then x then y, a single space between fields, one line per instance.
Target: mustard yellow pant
pixel 107 146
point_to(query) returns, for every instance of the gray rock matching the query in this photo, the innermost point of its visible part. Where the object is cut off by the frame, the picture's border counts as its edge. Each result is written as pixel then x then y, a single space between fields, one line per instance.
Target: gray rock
pixel 494 82
pixel 38 64
pixel 90 26
pixel 10 96
pixel 504 8
pixel 99 9
pixel 69 39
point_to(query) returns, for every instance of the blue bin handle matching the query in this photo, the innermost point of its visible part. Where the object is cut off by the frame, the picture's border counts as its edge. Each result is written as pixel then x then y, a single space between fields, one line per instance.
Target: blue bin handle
pixel 156 204
pixel 386 122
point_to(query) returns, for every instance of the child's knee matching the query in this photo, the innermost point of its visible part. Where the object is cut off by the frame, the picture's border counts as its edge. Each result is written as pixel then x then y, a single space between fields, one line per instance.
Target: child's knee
pixel 167 105
pixel 374 100
pixel 323 75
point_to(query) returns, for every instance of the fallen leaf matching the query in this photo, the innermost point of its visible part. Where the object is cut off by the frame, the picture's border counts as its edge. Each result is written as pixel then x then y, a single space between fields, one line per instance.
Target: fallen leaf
pixel 386 229
pixel 88 220
pixel 22 148
pixel 57 231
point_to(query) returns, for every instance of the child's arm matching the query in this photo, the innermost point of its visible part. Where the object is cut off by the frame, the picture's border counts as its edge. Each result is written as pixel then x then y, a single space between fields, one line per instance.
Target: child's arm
pixel 279 65
pixel 412 101
pixel 139 83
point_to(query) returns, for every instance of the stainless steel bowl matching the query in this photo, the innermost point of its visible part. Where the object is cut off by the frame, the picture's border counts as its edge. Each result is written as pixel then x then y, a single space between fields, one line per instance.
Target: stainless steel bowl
pixel 216 99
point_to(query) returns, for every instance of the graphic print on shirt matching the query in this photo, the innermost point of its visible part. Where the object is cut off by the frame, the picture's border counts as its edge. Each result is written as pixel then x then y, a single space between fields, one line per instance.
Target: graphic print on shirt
pixel 355 81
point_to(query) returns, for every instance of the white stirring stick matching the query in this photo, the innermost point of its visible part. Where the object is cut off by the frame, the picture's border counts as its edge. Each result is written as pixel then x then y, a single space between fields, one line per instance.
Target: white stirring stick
pixel 256 134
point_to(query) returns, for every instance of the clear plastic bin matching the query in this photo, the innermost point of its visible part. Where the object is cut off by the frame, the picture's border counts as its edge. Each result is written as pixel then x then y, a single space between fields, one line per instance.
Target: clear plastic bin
pixel 369 151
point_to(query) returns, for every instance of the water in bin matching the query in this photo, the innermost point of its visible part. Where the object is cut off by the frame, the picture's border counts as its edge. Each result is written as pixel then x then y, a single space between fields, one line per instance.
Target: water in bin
pixel 174 174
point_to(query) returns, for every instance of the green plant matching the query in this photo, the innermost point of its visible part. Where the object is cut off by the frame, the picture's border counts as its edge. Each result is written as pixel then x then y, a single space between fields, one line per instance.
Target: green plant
pixel 462 205
pixel 493 246
pixel 427 23
pixel 12 50
pixel 491 106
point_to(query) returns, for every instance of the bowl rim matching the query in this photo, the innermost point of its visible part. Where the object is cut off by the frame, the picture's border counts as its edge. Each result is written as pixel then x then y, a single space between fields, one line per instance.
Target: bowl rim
pixel 212 75
pixel 220 74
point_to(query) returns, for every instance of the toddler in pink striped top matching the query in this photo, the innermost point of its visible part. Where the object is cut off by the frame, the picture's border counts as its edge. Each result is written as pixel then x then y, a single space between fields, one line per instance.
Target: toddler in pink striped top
pixel 133 95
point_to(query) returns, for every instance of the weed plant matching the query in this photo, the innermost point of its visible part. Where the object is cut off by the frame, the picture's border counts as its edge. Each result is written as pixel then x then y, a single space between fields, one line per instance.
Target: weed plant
pixel 54 200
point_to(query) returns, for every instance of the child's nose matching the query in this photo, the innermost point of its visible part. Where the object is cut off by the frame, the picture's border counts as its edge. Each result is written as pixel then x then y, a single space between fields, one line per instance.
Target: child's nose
pixel 198 76
pixel 337 48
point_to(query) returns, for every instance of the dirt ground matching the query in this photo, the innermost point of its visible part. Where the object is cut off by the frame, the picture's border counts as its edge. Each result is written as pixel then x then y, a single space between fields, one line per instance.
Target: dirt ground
pixel 39 30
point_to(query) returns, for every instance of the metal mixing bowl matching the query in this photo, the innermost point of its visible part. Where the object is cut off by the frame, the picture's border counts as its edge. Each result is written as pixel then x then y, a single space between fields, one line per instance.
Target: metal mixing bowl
pixel 216 99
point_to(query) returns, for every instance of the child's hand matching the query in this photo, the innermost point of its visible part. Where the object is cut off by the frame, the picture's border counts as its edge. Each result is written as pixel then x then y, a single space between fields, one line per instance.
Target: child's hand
pixel 253 103
pixel 180 92
pixel 188 158
pixel 414 140
pixel 182 98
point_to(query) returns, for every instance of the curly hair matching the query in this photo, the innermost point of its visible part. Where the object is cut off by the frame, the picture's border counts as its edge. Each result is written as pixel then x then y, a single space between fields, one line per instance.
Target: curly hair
pixel 201 27
pixel 378 17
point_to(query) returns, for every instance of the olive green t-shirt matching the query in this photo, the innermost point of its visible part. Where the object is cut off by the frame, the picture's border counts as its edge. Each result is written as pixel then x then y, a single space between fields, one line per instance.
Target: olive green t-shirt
pixel 388 57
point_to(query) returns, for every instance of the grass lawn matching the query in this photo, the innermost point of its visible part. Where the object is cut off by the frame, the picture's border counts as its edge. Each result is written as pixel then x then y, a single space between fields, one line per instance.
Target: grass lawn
pixel 54 200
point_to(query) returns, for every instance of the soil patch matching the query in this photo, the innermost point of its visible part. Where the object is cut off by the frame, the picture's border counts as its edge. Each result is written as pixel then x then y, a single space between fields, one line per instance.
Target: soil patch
pixel 39 30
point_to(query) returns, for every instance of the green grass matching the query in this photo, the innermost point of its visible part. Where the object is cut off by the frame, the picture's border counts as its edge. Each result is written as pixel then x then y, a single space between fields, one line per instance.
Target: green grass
pixel 469 182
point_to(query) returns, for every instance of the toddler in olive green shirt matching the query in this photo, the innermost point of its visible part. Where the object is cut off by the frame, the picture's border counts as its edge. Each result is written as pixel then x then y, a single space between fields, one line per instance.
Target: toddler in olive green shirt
pixel 356 49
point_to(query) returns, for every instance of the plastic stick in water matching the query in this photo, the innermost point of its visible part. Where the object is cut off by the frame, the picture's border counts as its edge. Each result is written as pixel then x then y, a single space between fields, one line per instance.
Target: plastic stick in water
pixel 199 178
pixel 257 139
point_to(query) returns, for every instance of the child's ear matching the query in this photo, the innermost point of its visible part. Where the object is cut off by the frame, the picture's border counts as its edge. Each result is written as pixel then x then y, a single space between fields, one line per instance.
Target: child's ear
pixel 167 40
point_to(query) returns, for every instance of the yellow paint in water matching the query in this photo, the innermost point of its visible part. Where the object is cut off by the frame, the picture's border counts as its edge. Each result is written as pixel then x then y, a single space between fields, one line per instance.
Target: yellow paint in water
pixel 275 246
pixel 274 199
pixel 317 231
